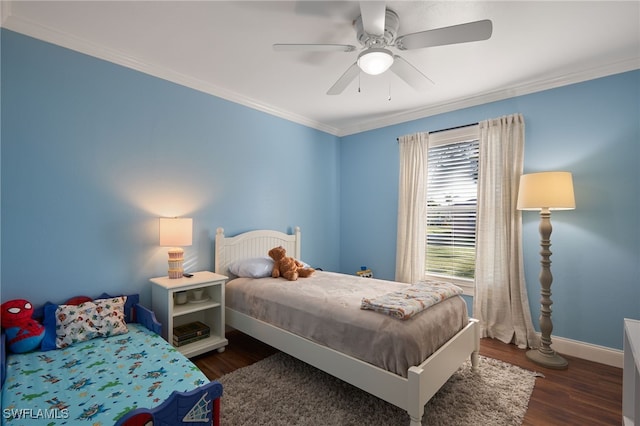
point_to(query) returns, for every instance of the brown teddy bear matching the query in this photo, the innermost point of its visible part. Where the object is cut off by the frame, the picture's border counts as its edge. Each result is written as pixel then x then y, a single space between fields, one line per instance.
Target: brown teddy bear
pixel 287 267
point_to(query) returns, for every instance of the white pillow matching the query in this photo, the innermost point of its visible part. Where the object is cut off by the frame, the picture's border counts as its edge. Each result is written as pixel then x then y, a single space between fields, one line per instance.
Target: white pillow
pixel 253 267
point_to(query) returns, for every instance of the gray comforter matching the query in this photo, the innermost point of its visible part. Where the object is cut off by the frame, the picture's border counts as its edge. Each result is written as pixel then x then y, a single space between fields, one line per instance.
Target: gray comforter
pixel 325 308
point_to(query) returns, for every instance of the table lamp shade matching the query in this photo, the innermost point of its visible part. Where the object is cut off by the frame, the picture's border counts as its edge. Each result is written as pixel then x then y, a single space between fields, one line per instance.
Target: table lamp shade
pixel 546 190
pixel 176 232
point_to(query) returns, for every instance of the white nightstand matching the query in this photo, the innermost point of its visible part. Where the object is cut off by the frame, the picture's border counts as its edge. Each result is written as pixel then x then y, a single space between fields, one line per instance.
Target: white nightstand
pixel 631 373
pixel 209 309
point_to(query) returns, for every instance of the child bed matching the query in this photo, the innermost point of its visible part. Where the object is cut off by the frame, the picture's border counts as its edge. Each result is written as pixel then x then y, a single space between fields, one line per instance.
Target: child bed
pixel 130 378
pixel 326 328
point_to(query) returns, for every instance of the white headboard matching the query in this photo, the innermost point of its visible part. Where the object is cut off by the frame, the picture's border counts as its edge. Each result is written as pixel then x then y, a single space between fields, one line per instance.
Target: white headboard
pixel 252 244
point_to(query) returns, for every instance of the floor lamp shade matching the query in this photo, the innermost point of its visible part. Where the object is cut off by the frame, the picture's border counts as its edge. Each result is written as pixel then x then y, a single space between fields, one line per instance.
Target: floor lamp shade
pixel 546 191
pixel 551 190
pixel 176 233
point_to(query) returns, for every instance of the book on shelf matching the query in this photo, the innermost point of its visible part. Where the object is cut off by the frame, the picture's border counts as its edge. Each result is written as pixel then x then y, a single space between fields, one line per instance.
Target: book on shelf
pixel 177 343
pixel 190 331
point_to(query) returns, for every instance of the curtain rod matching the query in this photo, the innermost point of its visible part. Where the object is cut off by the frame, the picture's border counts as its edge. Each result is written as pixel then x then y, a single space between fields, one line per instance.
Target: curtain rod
pixel 451 128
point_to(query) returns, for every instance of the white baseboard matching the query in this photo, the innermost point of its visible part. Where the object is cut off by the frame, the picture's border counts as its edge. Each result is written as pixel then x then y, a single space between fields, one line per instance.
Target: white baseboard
pixel 588 351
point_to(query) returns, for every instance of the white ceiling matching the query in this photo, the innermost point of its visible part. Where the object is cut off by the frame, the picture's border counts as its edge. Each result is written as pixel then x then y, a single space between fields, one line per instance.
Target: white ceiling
pixel 225 48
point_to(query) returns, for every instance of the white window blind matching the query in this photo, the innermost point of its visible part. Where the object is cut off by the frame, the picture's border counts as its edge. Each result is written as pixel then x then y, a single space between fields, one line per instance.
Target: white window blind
pixel 451 208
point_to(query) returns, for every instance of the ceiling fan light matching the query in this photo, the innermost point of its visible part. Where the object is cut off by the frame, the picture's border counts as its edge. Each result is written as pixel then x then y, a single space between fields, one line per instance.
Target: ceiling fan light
pixel 375 61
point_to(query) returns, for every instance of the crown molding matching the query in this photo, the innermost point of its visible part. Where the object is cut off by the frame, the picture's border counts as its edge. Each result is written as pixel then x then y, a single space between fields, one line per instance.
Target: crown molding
pixel 53 36
pixel 62 39
pixel 5 11
pixel 497 95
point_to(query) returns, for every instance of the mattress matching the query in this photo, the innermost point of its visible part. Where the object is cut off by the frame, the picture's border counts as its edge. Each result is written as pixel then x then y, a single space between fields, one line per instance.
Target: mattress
pixel 95 382
pixel 325 308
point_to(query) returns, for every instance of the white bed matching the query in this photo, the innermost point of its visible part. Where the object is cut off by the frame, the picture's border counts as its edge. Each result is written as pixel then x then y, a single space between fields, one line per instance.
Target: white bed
pixel 410 393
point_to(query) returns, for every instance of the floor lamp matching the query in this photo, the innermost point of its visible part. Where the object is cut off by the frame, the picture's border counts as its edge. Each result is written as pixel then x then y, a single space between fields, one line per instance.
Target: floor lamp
pixel 546 191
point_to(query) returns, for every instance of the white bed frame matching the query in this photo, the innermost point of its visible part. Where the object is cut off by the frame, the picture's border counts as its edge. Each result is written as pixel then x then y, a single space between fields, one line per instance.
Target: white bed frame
pixel 410 394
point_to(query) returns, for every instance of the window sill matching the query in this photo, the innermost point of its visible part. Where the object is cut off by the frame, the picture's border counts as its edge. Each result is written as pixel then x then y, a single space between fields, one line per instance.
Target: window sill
pixel 468 286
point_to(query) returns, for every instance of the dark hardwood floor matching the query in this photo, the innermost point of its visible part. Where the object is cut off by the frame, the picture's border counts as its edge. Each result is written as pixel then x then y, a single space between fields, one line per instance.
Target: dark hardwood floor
pixel 587 393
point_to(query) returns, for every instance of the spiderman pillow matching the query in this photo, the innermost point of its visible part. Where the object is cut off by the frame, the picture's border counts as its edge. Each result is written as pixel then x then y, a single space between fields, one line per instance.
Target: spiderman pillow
pixel 23 333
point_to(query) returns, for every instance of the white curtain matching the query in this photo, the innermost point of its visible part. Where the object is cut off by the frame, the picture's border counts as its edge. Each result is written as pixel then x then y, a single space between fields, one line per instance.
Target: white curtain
pixel 412 207
pixel 500 301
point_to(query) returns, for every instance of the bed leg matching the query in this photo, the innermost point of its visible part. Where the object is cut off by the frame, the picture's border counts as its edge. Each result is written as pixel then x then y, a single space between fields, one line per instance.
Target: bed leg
pixel 415 422
pixel 474 360
pixel 416 415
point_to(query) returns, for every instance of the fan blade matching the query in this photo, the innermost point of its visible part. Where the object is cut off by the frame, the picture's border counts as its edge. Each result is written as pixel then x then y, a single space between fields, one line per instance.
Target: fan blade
pixel 410 74
pixel 349 75
pixel 313 48
pixel 373 16
pixel 472 31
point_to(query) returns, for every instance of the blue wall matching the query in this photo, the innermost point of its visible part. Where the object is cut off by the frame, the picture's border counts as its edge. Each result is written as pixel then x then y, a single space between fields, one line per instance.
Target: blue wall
pixel 93 153
pixel 591 129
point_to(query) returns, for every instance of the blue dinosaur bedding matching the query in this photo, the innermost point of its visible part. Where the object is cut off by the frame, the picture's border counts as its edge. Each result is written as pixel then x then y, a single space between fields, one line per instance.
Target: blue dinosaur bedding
pixel 95 382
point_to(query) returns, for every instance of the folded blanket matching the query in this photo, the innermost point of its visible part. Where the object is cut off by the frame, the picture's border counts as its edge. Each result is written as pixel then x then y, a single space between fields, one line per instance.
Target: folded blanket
pixel 406 303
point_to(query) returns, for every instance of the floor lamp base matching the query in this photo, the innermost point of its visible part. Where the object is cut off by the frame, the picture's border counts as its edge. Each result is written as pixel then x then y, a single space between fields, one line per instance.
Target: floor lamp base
pixel 552 360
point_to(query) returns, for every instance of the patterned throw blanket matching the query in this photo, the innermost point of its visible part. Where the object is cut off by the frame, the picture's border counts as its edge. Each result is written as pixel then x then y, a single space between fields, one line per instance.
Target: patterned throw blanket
pixel 414 299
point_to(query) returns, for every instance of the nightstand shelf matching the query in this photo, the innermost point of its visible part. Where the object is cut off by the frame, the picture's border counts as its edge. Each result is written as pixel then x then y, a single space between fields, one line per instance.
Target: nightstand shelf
pixel 188 308
pixel 208 309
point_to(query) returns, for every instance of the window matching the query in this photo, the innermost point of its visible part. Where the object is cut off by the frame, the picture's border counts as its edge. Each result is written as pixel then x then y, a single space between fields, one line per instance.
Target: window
pixel 452 197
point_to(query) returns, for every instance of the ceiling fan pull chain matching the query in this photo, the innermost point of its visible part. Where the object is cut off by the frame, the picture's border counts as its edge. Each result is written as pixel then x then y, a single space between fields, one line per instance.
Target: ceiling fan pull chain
pixel 359 74
pixel 389 98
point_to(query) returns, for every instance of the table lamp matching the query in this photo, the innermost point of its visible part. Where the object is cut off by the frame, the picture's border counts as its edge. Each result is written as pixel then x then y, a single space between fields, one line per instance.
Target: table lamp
pixel 176 233
pixel 546 191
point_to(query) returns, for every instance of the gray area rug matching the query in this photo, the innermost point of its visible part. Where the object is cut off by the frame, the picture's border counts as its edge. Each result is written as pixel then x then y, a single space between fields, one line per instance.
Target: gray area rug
pixel 281 390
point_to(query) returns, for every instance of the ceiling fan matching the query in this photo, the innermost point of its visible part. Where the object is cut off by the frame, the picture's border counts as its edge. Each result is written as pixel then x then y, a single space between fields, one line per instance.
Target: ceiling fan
pixel 377 31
